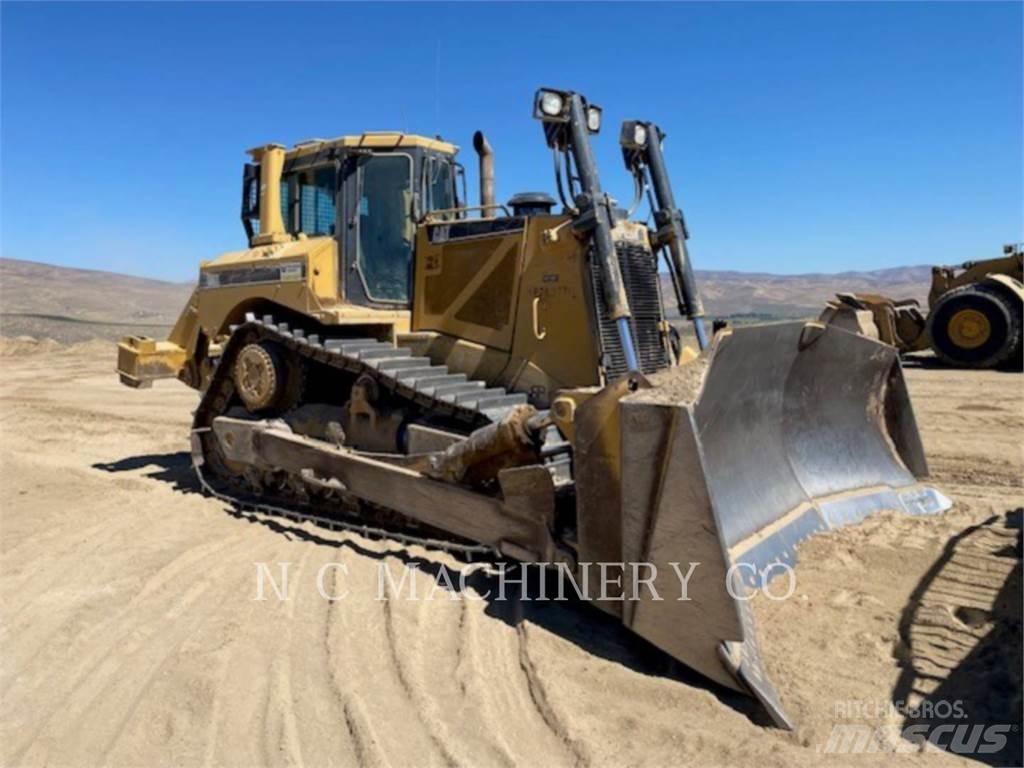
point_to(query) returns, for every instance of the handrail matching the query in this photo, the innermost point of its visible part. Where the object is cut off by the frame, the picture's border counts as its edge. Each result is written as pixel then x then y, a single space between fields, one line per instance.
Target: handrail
pixel 433 217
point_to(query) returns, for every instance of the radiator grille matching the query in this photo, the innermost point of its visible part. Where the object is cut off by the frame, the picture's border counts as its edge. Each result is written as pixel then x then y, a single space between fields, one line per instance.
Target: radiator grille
pixel 640 275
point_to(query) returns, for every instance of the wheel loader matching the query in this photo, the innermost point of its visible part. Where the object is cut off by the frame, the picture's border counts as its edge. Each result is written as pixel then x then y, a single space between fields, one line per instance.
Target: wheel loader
pixel 974 318
pixel 501 379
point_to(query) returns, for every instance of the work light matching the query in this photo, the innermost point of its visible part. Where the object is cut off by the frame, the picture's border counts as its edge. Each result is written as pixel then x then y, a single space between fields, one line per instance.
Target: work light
pixel 593 118
pixel 633 135
pixel 551 103
pixel 551 106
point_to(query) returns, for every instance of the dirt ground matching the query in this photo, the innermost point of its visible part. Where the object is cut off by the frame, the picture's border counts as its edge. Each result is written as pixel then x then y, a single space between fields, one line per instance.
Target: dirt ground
pixel 131 637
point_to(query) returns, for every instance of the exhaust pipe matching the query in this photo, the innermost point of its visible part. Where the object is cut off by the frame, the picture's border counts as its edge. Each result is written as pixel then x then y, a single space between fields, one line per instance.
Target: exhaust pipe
pixel 483 149
pixel 271 160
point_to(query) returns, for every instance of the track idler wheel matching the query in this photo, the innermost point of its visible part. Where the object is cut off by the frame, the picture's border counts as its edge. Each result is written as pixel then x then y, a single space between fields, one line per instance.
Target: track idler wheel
pixel 266 377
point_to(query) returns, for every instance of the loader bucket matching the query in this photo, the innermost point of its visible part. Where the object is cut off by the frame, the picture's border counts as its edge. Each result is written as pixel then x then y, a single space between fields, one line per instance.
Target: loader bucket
pixel 779 432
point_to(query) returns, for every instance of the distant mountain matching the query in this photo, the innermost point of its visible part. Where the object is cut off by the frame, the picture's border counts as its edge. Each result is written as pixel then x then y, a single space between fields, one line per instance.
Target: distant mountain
pixel 76 304
pixel 47 301
pixel 728 294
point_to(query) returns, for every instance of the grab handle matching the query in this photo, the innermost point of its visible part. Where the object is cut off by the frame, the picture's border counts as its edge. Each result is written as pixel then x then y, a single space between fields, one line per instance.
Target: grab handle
pixel 538 332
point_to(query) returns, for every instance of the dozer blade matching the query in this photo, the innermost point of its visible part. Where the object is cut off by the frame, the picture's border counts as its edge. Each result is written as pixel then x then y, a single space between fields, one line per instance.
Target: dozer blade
pixel 779 432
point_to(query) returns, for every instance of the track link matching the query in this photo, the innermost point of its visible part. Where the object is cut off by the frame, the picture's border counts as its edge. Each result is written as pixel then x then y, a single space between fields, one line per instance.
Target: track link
pixel 426 388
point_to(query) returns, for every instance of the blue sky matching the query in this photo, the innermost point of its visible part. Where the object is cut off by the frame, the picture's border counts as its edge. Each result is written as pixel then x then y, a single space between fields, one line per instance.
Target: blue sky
pixel 802 137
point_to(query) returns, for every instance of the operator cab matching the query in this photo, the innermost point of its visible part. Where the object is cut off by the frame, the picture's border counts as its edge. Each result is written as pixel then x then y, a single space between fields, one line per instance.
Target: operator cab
pixel 368 192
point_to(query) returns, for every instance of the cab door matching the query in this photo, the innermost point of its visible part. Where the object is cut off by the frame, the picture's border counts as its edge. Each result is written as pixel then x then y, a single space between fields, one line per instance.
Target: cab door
pixel 379 229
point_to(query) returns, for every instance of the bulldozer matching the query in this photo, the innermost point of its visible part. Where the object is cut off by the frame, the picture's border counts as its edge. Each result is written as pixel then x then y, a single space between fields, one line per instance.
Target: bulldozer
pixel 502 380
pixel 973 320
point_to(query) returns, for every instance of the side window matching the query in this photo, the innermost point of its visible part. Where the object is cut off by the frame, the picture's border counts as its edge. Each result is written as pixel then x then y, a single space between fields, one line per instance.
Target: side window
pixel 317 202
pixel 312 193
pixel 286 205
pixel 386 228
pixel 440 184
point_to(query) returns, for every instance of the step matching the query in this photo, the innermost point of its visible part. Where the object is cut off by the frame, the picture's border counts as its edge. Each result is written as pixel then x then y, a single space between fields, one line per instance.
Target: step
pixel 430 385
pixel 411 375
pixel 346 346
pixel 380 351
pixel 470 399
pixel 393 364
pixel 450 392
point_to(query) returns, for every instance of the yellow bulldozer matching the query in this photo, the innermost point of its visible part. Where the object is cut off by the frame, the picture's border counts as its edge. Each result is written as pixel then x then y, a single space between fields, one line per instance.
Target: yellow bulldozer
pixel 974 318
pixel 502 379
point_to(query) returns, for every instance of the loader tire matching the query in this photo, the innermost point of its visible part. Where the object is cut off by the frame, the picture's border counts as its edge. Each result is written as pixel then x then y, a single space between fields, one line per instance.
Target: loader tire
pixel 976 326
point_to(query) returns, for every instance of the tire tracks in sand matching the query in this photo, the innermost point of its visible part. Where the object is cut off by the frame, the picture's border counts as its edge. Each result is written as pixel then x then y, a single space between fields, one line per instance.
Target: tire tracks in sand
pixel 116 661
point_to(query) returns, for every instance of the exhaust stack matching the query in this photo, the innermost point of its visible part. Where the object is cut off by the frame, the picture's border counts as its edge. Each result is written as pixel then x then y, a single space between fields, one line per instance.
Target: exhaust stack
pixel 483 149
pixel 271 160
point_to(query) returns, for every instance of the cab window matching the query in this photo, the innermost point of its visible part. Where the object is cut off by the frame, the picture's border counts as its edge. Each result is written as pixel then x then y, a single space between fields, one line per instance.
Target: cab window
pixel 316 202
pixel 386 228
pixel 308 201
pixel 440 185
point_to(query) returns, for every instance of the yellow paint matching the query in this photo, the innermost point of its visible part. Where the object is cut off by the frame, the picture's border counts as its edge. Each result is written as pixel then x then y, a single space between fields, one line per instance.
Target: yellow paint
pixel 271 160
pixel 688 355
pixel 969 329
pixel 945 279
pixel 370 139
pixel 322 267
pixel 514 309
pixel 141 360
pixel 316 295
pixel 268 254
pixel 554 287
pixel 448 277
pixel 547 340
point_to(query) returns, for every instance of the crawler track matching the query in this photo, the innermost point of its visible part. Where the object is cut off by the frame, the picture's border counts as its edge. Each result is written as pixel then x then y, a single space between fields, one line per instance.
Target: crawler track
pixel 426 391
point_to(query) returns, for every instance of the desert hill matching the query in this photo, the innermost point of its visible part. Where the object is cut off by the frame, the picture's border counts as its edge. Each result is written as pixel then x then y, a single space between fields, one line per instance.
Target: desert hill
pixel 70 305
pixel 44 300
pixel 732 294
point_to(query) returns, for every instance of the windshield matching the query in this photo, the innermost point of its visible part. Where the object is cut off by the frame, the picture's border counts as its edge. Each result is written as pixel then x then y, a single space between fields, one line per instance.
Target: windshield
pixel 386 228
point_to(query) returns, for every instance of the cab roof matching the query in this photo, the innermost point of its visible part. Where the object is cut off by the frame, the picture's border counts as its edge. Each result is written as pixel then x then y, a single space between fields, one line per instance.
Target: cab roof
pixel 369 139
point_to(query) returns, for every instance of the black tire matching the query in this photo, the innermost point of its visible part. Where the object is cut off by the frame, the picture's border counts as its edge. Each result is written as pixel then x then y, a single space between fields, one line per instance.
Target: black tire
pixel 1000 346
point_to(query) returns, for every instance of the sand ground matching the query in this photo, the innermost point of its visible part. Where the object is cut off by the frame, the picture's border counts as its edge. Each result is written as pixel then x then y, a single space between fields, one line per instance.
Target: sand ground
pixel 130 636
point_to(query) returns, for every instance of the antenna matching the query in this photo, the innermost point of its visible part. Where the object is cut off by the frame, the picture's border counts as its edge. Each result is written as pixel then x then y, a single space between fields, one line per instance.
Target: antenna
pixel 437 87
